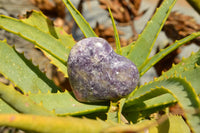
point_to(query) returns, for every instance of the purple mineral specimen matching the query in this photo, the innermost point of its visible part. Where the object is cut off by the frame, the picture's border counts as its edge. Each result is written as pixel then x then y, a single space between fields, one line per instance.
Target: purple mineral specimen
pixel 97 73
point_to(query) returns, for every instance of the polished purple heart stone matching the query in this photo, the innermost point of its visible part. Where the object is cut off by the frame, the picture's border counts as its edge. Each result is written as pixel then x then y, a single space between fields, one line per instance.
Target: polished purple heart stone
pixel 97 73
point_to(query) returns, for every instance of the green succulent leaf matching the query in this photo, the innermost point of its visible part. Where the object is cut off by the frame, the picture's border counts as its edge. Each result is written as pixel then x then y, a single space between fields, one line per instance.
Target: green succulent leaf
pixel 164 124
pixel 6 109
pixel 19 102
pixel 117 41
pixel 54 47
pixel 22 72
pixel 60 104
pixel 115 111
pixel 66 124
pixel 112 114
pixel 185 64
pixel 44 124
pixel 181 90
pixel 145 108
pixel 188 68
pixel 152 61
pixel 140 51
pixel 80 21
pixel 65 104
pixel 148 103
pixel 41 22
pixel 69 124
pixel 192 76
pixel 150 100
pixel 173 124
pixel 125 50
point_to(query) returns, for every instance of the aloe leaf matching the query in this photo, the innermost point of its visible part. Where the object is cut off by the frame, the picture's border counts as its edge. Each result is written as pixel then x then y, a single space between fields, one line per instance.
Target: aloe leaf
pixel 115 111
pixel 68 42
pixel 40 38
pixel 40 21
pixel 21 103
pixel 117 41
pixel 191 75
pixel 148 103
pixel 188 68
pixel 182 91
pixel 65 104
pixel 164 124
pixel 44 124
pixel 152 61
pixel 142 109
pixel 112 114
pixel 22 72
pixel 191 106
pixel 174 124
pixel 177 124
pixel 144 44
pixel 120 109
pixel 68 124
pixel 80 21
pixel 186 63
pixel 125 50
pixel 156 98
pixel 141 127
pixel 5 108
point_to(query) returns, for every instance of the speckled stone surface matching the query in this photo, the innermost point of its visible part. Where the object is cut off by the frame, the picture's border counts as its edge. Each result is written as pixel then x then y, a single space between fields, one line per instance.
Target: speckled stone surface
pixel 97 73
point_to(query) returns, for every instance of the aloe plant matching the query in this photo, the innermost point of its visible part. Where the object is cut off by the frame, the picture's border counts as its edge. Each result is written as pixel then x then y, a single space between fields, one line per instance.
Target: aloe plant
pixel 44 107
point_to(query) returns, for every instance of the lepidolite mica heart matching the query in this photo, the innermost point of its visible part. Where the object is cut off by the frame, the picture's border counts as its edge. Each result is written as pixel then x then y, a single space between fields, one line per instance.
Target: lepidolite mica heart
pixel 97 73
